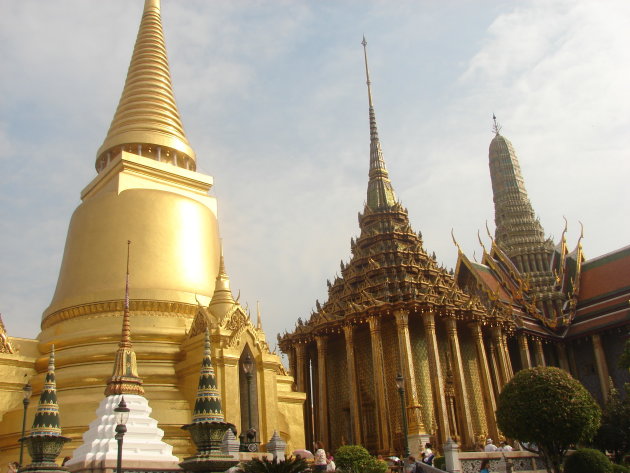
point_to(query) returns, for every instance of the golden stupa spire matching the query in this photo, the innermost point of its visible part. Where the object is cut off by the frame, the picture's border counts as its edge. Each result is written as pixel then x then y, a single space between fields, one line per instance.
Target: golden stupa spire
pixel 380 194
pixel 147 121
pixel 222 299
pixel 125 379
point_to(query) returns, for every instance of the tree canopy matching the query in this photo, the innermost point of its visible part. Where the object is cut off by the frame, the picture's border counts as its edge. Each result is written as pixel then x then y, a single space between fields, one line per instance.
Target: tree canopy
pixel 546 407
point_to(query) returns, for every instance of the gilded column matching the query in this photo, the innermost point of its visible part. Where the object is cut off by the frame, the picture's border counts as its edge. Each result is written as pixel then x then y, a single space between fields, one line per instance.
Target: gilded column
pixel 486 380
pixel 497 336
pixel 414 409
pixel 353 383
pixel 437 383
pixel 563 359
pixel 379 384
pixel 602 367
pixel 496 370
pixel 460 383
pixel 322 383
pixel 523 346
pixel 506 351
pixel 540 353
pixel 300 362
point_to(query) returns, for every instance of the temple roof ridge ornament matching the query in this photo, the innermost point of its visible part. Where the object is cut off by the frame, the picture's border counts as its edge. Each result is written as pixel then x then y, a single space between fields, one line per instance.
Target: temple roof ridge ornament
pixel 5 344
pixel 125 379
pixel 147 121
pixel 380 194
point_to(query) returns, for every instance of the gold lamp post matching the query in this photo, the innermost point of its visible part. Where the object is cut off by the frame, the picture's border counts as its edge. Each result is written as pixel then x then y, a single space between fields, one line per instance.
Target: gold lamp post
pixel 122 415
pixel 248 366
pixel 27 391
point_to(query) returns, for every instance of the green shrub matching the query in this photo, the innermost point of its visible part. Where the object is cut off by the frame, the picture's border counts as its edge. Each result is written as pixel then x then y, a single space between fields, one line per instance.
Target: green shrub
pixel 549 408
pixel 356 459
pixel 620 469
pixel 588 460
pixel 440 463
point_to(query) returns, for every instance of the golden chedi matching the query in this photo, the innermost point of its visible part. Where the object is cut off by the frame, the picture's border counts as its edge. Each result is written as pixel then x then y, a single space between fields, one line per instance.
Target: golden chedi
pixel 146 191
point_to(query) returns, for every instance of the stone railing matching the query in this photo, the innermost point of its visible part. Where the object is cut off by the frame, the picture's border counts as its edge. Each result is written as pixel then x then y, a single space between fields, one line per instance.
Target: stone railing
pixel 500 462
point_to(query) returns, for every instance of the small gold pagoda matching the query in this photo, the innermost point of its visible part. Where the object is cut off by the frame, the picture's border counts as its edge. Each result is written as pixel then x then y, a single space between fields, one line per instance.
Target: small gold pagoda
pixel 147 190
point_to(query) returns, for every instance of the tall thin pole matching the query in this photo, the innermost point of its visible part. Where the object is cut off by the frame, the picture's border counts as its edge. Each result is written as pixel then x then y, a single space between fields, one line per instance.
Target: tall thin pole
pixel 249 399
pixel 25 401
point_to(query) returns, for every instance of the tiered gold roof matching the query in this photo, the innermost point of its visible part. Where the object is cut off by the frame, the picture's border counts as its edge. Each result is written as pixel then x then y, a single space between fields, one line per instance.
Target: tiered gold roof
pixel 389 268
pixel 147 120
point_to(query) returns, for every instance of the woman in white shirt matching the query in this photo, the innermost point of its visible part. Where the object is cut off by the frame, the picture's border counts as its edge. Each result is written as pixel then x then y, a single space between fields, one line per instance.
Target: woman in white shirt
pixel 319 464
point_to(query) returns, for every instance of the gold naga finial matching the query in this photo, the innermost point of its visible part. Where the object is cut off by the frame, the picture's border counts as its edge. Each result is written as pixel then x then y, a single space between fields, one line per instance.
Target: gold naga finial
pixel 258 316
pixel 496 128
pixel 564 232
pixel 481 242
pixel 581 235
pixel 125 379
pixel 147 121
pixel 455 242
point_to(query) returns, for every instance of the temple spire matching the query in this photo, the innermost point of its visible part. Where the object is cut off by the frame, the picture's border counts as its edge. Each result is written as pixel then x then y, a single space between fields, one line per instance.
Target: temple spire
pixel 208 403
pixel 147 120
pixel 46 421
pixel 125 379
pixel 496 128
pixel 380 194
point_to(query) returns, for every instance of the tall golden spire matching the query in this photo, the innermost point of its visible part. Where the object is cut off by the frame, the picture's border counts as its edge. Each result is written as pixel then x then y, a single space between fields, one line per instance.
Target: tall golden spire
pixel 125 379
pixel 147 121
pixel 380 193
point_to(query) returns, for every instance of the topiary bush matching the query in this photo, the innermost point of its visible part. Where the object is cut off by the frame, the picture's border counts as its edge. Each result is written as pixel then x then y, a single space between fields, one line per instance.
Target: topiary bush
pixel 620 468
pixel 588 460
pixel 545 406
pixel 356 459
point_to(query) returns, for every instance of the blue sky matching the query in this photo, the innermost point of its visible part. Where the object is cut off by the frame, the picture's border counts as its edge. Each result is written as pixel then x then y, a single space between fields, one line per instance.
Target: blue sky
pixel 273 100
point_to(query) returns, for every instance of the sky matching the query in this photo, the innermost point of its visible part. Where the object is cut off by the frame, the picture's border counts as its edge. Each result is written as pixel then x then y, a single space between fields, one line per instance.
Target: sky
pixel 273 99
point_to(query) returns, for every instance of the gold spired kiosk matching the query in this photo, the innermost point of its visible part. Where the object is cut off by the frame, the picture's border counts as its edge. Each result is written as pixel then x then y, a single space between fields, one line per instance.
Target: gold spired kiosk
pixel 147 190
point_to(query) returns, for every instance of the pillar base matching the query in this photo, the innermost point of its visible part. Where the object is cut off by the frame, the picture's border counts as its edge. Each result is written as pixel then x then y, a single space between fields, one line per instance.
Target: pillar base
pixel 416 444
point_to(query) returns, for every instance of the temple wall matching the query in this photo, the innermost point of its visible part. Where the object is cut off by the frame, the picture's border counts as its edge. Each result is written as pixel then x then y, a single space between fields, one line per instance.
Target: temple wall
pixel 338 392
pixel 473 381
pixel 586 367
pixel 365 378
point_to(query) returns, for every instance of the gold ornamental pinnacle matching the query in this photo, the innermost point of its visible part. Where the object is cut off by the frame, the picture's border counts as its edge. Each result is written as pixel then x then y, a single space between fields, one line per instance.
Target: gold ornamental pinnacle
pixel 147 121
pixel 125 379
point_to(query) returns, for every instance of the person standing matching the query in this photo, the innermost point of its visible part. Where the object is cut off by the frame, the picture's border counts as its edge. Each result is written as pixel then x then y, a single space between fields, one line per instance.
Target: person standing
pixel 319 463
pixel 485 466
pixel 505 447
pixel 427 454
pixel 490 446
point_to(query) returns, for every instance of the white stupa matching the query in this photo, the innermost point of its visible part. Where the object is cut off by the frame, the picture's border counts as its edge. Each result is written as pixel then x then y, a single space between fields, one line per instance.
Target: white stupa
pixel 143 447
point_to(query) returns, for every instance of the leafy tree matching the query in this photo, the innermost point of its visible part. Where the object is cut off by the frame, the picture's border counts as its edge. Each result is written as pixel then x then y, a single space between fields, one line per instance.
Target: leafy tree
pixel 290 465
pixel 546 407
pixel 614 433
pixel 588 460
pixel 619 469
pixel 356 459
